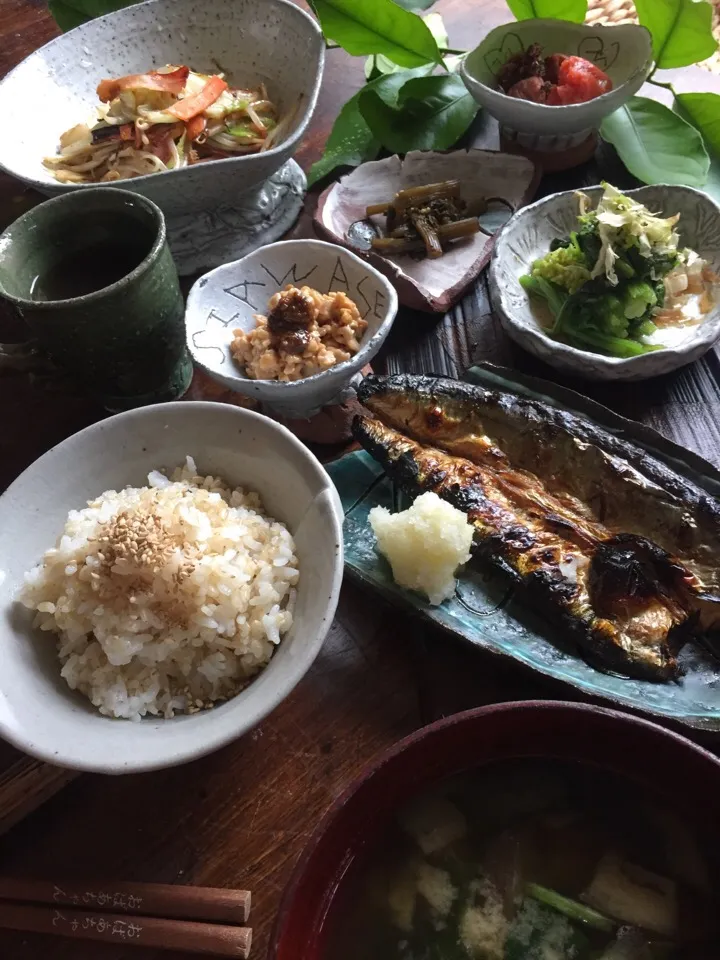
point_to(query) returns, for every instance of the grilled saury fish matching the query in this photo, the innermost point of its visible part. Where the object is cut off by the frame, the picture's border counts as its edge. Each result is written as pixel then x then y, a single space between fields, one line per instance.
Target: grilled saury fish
pixel 613 544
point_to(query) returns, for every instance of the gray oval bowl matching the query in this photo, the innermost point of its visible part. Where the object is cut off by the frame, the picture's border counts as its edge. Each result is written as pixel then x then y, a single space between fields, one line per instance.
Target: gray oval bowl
pixel 39 713
pixel 527 236
pixel 228 298
pixel 250 40
pixel 624 52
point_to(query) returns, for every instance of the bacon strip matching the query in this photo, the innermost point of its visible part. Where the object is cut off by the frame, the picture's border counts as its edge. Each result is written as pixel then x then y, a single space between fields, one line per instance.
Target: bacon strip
pixel 173 82
pixel 191 106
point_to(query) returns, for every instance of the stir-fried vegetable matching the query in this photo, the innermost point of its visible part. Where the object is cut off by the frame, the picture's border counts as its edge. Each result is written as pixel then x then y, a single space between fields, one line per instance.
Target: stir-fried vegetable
pixel 619 277
pixel 172 81
pixel 163 120
pixel 192 106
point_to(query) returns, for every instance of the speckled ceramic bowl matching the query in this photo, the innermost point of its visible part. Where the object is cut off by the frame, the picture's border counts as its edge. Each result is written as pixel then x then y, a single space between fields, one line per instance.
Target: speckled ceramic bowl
pixel 249 40
pixel 39 713
pixel 228 298
pixel 624 52
pixel 527 236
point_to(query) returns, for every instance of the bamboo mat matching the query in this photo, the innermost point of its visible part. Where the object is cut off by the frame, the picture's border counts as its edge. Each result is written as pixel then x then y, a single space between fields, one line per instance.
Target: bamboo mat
pixel 612 12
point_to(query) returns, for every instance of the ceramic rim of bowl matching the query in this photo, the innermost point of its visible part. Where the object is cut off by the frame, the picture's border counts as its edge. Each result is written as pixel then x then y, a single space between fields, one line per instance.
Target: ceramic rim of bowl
pixel 79 200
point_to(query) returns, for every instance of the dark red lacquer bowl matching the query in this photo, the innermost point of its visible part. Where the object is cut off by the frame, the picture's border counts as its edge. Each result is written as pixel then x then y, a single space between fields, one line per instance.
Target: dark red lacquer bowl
pixel 681 773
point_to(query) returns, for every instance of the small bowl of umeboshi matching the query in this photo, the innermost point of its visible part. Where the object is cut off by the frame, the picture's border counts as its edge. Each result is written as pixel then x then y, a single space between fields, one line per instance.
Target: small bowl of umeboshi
pixel 551 83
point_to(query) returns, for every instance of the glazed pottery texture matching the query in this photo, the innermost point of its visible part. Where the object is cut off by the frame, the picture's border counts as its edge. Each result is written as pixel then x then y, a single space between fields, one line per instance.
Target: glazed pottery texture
pixel 623 52
pixel 528 236
pixel 39 713
pixel 125 343
pixel 683 775
pixel 228 298
pixel 248 40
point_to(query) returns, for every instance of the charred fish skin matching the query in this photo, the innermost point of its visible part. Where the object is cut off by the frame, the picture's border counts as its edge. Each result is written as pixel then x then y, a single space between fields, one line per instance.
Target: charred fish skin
pixel 613 481
pixel 553 572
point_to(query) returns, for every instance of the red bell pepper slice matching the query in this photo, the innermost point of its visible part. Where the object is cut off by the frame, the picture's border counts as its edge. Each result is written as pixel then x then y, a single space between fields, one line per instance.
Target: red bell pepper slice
pixel 191 106
pixel 195 127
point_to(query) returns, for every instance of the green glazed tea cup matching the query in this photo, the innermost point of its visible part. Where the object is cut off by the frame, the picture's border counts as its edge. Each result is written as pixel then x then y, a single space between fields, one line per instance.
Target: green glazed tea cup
pixel 92 275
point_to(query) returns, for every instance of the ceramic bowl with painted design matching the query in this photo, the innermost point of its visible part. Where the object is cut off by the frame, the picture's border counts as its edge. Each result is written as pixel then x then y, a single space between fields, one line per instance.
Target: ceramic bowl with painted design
pixel 229 297
pixel 527 237
pixel 623 52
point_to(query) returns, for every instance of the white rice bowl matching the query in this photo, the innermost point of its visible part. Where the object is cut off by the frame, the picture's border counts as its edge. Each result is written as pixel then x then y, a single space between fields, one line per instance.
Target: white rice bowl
pixel 167 598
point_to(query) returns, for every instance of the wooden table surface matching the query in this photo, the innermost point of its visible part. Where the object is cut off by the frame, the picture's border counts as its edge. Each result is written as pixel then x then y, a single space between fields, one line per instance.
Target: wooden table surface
pixel 241 816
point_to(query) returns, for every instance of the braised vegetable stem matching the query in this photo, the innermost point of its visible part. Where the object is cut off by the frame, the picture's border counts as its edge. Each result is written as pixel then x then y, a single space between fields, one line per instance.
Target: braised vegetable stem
pixel 424 218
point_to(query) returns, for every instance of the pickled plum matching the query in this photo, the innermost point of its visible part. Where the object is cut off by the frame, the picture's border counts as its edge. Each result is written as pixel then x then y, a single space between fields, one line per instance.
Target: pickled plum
pixel 555 80
pixel 578 81
pixel 532 88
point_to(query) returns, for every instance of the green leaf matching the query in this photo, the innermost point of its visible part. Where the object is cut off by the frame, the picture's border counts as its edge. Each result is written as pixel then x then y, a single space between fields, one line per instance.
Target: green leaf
pixel 681 30
pixel 575 10
pixel 647 136
pixel 703 109
pixel 351 141
pixel 380 64
pixel 436 26
pixel 71 13
pixel 432 113
pixel 712 185
pixel 378 26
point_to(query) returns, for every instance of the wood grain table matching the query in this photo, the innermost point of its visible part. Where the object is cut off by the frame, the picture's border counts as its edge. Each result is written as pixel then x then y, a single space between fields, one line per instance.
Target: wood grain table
pixel 241 816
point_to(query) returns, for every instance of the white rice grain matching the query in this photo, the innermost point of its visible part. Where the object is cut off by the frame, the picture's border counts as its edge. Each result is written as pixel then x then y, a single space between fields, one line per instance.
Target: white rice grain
pixel 166 598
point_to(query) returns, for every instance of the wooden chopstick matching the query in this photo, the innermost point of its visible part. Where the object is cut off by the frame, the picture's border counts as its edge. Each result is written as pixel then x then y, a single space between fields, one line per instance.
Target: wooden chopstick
pixel 150 899
pixel 211 939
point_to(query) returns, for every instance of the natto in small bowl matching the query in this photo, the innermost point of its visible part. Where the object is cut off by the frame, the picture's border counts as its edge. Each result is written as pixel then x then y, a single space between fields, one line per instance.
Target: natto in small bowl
pixel 623 52
pixel 227 299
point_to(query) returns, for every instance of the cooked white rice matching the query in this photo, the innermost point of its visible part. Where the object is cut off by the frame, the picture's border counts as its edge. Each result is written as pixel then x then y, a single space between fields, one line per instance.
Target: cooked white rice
pixel 167 598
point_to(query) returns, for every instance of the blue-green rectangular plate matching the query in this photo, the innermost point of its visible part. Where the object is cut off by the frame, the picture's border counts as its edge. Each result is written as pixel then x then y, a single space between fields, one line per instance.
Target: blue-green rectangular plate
pixel 485 609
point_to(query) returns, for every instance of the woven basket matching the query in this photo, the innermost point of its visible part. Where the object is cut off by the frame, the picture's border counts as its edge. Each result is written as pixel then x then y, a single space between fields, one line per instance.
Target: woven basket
pixel 612 12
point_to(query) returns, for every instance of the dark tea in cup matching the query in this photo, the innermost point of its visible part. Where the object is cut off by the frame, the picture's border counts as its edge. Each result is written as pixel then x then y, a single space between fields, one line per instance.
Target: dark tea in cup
pixel 92 275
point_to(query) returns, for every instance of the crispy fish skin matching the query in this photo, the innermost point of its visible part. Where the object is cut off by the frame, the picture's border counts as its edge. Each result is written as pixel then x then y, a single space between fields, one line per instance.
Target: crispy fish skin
pixel 627 601
pixel 598 478
pixel 556 573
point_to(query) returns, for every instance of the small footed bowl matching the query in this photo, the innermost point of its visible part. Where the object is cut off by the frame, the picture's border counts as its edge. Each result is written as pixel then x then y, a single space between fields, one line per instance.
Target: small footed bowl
pixel 227 299
pixel 527 236
pixel 623 52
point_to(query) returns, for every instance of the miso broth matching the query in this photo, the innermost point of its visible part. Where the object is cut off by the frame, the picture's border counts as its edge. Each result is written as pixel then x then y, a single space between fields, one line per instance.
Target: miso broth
pixel 533 860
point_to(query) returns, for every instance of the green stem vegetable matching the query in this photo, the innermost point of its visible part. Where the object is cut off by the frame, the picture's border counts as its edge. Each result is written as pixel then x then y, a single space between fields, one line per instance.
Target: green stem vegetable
pixel 571 908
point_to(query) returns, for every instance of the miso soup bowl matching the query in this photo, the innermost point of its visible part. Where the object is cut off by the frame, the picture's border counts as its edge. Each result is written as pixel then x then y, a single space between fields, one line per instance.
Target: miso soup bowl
pixel 683 775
